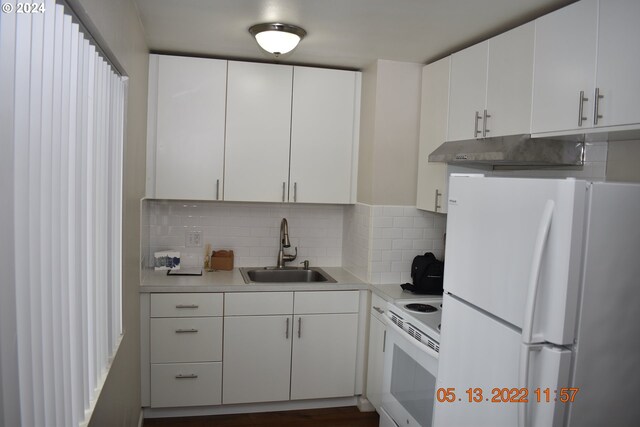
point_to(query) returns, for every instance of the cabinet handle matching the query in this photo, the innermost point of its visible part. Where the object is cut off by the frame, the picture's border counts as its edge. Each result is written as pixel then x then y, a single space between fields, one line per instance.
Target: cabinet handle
pixel 283 184
pixel 295 191
pixel 184 377
pixel 581 108
pixel 217 189
pixel 299 327
pixel 286 333
pixel 476 132
pixel 485 131
pixel 378 309
pixel 384 340
pixel 186 331
pixel 437 206
pixel 186 306
pixel 596 108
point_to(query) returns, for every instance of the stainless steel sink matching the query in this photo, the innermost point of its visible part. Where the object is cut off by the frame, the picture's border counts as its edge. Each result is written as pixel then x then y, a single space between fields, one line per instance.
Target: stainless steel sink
pixel 284 275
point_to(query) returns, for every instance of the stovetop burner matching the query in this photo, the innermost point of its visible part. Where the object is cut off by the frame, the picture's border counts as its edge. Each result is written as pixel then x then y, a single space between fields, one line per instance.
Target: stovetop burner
pixel 421 308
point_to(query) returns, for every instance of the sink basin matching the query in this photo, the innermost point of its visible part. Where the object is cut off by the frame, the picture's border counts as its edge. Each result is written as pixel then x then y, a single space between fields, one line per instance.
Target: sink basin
pixel 284 275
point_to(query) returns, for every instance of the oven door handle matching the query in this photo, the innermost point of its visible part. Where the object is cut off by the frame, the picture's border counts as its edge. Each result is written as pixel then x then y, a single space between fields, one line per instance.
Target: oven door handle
pixel 420 346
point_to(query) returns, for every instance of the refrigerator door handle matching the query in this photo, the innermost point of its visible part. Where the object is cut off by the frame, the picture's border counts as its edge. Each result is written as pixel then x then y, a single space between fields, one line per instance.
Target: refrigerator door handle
pixel 523 380
pixel 536 264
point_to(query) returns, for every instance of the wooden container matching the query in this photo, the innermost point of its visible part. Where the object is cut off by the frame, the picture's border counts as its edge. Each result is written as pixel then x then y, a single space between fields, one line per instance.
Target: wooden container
pixel 222 260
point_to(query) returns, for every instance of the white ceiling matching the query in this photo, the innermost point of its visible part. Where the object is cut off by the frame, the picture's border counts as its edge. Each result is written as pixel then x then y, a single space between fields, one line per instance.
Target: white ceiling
pixel 341 33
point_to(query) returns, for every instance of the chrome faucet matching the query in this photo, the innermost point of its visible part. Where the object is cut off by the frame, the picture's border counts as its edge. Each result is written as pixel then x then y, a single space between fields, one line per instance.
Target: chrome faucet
pixel 285 243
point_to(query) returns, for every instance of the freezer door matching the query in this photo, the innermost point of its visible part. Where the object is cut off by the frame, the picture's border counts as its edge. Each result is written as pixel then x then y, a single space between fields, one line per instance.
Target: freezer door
pixel 492 227
pixel 480 362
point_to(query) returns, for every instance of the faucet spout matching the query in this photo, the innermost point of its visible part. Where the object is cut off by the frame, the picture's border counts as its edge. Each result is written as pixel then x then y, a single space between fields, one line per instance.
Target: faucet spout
pixel 285 243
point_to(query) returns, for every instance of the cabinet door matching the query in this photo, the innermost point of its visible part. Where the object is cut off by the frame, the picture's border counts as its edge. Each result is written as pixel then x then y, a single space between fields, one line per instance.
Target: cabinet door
pixel 377 332
pixel 509 82
pixel 322 135
pixel 618 62
pixel 257 359
pixel 432 176
pixel 324 356
pixel 190 111
pixel 467 92
pixel 564 65
pixel 258 132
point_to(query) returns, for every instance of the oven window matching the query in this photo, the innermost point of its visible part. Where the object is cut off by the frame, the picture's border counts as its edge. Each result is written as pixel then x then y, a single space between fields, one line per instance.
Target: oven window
pixel 412 386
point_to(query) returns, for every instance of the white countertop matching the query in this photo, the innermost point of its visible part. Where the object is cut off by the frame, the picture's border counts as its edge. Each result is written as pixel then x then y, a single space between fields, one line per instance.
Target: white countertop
pixel 393 292
pixel 232 281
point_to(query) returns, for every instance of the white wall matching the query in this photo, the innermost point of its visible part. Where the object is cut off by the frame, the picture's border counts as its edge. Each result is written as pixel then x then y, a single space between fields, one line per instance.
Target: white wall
pixel 389 133
pixel 623 161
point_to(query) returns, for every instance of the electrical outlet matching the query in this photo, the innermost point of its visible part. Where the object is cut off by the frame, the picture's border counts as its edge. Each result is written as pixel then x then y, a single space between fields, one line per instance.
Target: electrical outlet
pixel 194 239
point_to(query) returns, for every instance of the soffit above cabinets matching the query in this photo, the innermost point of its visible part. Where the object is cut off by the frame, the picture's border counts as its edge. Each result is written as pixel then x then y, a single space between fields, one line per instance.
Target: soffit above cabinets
pixel 350 34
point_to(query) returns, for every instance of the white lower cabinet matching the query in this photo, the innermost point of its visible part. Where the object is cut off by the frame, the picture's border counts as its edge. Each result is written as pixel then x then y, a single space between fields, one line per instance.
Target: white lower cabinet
pixel 324 356
pixel 185 353
pixel 186 384
pixel 279 350
pixel 375 363
pixel 278 346
pixel 257 358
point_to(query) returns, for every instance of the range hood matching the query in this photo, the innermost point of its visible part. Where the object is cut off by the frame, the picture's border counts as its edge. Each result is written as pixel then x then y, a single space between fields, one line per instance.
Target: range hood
pixel 516 150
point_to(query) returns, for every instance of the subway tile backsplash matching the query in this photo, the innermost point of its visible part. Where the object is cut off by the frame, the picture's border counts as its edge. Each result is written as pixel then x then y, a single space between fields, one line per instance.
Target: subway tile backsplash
pixel 381 241
pixel 375 243
pixel 251 230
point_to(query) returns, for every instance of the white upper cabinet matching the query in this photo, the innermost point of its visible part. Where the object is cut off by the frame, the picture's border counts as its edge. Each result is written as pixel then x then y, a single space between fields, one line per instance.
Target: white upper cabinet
pixel 468 92
pixel 258 132
pixel 186 127
pixel 564 68
pixel 618 69
pixel 509 82
pixel 432 176
pixel 324 130
pixel 490 91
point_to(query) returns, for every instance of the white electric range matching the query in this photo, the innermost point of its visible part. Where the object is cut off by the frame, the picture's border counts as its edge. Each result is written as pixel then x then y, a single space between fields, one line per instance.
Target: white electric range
pixel 411 361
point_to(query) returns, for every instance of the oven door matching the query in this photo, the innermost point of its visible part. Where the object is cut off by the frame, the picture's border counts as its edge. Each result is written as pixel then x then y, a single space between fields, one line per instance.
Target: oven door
pixel 409 381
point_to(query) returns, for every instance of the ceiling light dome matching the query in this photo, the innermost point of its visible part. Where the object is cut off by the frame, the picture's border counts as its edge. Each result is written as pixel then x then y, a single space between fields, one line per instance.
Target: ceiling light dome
pixel 277 38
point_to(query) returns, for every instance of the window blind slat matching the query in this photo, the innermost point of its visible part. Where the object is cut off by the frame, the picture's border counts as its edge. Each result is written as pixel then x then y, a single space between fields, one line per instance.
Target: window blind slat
pixel 21 211
pixel 54 281
pixel 35 149
pixel 75 332
pixel 65 147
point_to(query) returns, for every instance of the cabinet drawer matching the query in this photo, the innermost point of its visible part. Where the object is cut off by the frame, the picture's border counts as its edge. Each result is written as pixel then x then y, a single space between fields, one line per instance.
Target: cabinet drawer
pixel 196 339
pixel 326 302
pixel 378 306
pixel 186 305
pixel 258 303
pixel 186 384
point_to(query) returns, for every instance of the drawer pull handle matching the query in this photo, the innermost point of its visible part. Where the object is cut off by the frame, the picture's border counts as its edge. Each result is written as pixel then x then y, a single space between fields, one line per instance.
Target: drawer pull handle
pixel 378 309
pixel 186 377
pixel 186 306
pixel 186 331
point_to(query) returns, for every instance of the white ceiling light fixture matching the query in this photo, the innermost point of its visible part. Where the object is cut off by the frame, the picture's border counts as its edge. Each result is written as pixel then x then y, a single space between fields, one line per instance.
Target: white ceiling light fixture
pixel 277 38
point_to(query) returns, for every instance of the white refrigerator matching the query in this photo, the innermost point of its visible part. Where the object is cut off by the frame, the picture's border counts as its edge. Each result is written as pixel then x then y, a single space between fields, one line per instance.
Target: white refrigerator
pixel 541 312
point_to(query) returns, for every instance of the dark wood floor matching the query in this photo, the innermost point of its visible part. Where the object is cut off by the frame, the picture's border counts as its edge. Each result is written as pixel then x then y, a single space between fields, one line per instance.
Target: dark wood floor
pixel 329 417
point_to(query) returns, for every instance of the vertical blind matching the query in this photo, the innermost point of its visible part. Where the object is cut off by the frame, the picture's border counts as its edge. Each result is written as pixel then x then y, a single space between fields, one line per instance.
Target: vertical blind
pixel 68 138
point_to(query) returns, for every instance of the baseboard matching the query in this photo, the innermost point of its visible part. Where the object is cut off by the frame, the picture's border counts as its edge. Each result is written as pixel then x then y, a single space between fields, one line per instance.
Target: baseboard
pixel 250 408
pixel 364 405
